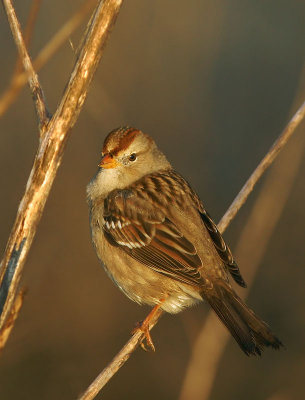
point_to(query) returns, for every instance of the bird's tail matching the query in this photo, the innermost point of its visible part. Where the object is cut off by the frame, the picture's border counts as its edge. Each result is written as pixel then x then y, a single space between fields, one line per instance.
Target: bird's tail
pixel 250 332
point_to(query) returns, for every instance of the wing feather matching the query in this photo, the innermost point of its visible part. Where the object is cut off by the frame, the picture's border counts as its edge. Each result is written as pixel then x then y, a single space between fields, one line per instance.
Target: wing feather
pixel 133 222
pixel 222 249
pixel 150 237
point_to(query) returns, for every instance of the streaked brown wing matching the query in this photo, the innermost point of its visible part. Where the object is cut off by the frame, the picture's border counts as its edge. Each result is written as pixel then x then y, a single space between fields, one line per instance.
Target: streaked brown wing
pixel 150 238
pixel 222 249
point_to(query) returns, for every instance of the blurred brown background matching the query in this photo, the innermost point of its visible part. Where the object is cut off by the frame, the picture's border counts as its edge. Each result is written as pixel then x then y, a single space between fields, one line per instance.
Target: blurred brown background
pixel 214 82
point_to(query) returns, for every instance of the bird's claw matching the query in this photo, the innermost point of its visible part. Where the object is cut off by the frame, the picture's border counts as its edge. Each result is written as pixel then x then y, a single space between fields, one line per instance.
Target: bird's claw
pixel 146 341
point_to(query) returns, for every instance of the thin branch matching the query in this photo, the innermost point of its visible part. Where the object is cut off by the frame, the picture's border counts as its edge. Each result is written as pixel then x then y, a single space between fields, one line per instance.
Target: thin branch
pixel 264 164
pixel 37 93
pixel 253 240
pixel 118 361
pixel 45 54
pixel 10 321
pixel 50 152
pixel 15 83
pixel 124 354
pixel 28 32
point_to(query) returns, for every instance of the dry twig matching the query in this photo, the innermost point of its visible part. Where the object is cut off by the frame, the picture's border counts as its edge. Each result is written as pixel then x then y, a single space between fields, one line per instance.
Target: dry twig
pixel 37 93
pixel 261 168
pixel 253 241
pixel 50 152
pixel 16 83
pixel 120 359
pixel 9 323
pixel 28 32
pixel 61 36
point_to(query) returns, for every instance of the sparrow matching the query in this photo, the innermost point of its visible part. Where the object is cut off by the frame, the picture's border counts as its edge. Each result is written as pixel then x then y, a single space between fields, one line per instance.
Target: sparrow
pixel 158 243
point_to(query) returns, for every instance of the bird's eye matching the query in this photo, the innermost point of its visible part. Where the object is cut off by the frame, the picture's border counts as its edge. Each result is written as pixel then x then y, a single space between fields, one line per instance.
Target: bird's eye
pixel 133 157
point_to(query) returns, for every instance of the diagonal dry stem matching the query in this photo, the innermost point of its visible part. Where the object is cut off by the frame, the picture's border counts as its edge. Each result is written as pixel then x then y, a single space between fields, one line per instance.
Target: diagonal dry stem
pixel 253 241
pixel 28 32
pixel 60 37
pixel 50 152
pixel 10 321
pixel 250 249
pixel 124 354
pixel 242 196
pixel 36 89
pixel 118 361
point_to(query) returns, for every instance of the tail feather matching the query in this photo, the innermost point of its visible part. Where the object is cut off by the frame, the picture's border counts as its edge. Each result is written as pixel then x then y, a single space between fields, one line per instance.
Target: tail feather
pixel 250 332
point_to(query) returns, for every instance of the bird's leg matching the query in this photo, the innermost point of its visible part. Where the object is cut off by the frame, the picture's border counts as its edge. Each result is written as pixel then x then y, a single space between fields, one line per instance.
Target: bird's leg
pixel 144 327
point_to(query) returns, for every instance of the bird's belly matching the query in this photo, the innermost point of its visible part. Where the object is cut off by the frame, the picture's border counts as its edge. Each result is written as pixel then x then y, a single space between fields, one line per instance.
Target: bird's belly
pixel 142 284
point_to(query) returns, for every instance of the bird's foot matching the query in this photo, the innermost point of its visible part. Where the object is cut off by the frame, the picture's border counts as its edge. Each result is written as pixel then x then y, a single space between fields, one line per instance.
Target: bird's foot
pixel 144 327
pixel 146 342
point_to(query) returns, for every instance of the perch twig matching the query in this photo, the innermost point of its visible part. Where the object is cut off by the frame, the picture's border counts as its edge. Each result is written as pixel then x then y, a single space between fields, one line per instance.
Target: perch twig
pixel 277 146
pixel 119 360
pixel 254 239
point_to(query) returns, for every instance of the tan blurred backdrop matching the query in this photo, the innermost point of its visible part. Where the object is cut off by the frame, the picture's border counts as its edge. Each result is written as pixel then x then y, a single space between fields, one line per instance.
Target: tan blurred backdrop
pixel 214 82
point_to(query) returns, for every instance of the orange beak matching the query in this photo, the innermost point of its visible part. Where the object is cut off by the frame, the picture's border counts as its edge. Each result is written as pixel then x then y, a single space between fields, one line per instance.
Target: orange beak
pixel 108 161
